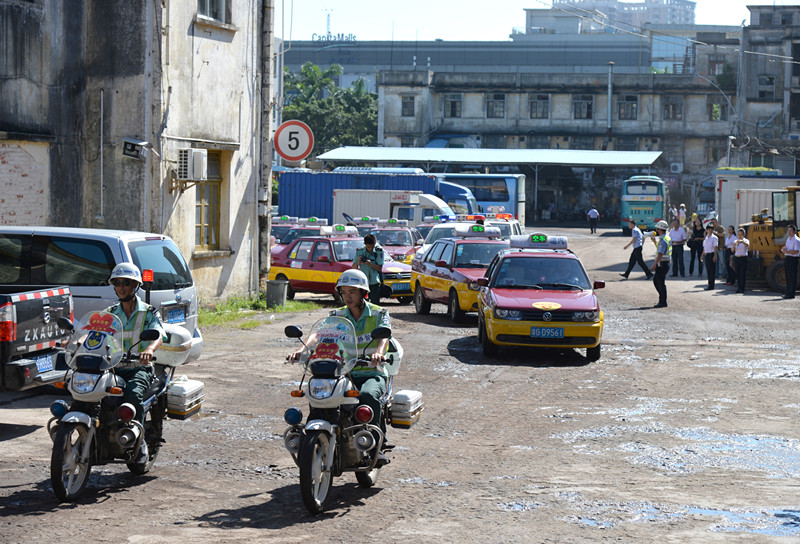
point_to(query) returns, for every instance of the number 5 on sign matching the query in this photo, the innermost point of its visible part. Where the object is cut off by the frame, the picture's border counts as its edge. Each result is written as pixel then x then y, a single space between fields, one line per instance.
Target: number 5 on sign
pixel 294 140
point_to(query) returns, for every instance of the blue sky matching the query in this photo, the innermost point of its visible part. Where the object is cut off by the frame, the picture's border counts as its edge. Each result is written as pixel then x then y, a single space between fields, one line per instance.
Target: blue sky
pixel 447 19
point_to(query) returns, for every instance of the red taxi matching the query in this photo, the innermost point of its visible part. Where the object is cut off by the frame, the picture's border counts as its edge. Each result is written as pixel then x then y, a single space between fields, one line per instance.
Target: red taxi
pixel 398 239
pixel 537 293
pixel 314 263
pixel 448 272
pixel 306 226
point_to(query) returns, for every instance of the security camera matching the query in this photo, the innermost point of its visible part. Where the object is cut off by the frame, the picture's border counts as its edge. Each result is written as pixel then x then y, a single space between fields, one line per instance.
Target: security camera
pixel 136 149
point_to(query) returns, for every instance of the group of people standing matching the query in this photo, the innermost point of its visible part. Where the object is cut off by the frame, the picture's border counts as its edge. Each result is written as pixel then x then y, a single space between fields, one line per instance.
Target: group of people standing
pixel 705 243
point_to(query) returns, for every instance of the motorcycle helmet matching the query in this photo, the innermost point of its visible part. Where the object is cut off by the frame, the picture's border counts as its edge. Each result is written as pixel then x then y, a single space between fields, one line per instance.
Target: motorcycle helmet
pixel 126 270
pixel 353 278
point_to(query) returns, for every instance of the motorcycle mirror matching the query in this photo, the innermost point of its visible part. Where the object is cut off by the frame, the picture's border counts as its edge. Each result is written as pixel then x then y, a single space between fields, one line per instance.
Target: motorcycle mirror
pixel 148 335
pixel 65 323
pixel 293 331
pixel 380 333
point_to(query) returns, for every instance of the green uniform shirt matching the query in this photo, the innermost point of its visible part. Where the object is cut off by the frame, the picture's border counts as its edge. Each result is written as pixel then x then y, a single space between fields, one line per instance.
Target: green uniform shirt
pixel 372 317
pixel 143 317
pixel 376 256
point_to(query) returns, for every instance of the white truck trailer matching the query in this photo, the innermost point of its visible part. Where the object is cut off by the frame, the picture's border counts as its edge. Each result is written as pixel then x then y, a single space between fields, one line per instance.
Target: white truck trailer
pixel 414 206
pixel 740 193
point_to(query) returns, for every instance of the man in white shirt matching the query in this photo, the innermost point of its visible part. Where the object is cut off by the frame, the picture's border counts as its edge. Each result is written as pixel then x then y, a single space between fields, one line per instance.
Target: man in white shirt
pixel 678 237
pixel 592 216
pixel 710 245
pixel 792 253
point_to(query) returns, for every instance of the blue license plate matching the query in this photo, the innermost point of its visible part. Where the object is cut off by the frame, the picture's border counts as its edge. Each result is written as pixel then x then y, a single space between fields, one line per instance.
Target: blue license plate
pixel 547 332
pixel 44 363
pixel 401 287
pixel 175 315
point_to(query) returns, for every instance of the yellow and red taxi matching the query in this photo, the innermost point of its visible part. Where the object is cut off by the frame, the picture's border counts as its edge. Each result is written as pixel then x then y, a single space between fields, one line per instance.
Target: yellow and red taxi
pixel 314 263
pixel 305 226
pixel 398 239
pixel 281 224
pixel 448 271
pixel 504 221
pixel 537 293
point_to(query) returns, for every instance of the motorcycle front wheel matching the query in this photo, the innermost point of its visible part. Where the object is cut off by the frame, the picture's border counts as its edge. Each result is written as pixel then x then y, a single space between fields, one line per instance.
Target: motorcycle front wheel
pixel 314 481
pixel 68 474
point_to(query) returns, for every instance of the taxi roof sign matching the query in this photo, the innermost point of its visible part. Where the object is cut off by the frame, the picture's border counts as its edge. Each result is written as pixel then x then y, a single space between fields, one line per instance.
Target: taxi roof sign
pixel 477 231
pixel 538 240
pixel 285 219
pixel 312 221
pixel 439 218
pixel 393 222
pixel 366 220
pixel 339 230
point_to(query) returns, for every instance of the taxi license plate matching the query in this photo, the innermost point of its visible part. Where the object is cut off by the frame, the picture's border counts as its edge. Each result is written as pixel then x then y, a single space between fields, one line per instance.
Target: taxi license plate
pixel 547 332
pixel 44 363
pixel 401 287
pixel 174 314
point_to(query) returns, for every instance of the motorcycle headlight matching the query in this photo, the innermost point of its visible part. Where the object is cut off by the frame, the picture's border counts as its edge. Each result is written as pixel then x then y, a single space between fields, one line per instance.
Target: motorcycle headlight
pixel 502 313
pixel 321 388
pixel 83 383
pixel 586 316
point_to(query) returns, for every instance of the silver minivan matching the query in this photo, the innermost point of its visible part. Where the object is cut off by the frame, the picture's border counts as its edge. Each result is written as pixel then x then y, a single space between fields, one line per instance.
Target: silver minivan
pixel 83 260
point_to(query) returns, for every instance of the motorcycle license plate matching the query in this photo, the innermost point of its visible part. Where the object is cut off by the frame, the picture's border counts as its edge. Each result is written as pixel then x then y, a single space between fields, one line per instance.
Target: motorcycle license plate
pixel 401 287
pixel 44 363
pixel 174 314
pixel 547 332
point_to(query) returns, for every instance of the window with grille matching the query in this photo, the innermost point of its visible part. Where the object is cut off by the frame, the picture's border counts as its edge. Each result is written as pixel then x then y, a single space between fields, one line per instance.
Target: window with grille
pixel 716 148
pixel 452 105
pixel 673 108
pixel 628 107
pixel 717 109
pixel 207 205
pixel 494 141
pixel 582 142
pixel 408 142
pixel 495 105
pixel 539 105
pixel 582 106
pixel 407 108
pixel 626 143
pixel 766 87
pixel 539 141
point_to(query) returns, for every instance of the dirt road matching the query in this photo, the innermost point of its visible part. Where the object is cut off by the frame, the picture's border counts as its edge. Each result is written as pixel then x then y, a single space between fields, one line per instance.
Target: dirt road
pixel 683 431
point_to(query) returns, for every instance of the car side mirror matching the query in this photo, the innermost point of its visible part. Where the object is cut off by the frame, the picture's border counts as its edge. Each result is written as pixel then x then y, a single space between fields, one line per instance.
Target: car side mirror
pixel 293 331
pixel 599 284
pixel 419 242
pixel 483 282
pixel 65 323
pixel 440 263
pixel 323 259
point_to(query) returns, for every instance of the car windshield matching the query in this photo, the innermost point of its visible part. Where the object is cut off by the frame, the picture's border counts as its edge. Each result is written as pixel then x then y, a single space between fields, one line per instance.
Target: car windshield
pixel 476 255
pixel 296 232
pixel 345 250
pixel 393 237
pixel 424 230
pixel 165 260
pixel 541 272
pixel 280 231
pixel 505 228
pixel 441 232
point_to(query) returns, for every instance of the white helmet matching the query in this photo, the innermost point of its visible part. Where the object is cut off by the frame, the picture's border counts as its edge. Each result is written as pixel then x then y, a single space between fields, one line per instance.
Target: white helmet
pixel 662 225
pixel 353 278
pixel 126 270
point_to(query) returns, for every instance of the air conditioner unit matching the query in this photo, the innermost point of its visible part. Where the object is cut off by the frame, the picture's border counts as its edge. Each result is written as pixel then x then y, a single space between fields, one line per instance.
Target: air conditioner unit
pixel 676 167
pixel 192 164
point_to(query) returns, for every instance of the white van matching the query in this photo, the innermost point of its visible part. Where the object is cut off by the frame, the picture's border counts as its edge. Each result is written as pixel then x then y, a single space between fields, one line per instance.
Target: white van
pixel 83 260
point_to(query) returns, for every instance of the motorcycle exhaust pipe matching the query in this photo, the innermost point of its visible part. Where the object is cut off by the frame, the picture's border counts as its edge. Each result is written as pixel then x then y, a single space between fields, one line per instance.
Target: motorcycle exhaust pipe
pixel 364 441
pixel 127 436
pixel 292 442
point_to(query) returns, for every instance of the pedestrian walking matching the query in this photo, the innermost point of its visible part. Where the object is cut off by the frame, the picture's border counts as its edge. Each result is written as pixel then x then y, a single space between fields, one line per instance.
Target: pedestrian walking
pixel 730 238
pixel 696 247
pixel 682 214
pixel 369 259
pixel 740 248
pixel 636 254
pixel 678 236
pixel 792 253
pixel 592 216
pixel 710 245
pixel 661 265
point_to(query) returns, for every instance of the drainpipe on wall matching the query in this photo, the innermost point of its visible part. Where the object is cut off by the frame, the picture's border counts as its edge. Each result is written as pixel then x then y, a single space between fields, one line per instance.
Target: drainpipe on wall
pixel 99 219
pixel 610 103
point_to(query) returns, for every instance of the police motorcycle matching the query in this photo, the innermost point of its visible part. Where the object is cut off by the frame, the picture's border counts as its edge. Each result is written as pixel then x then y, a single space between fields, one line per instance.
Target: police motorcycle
pixel 337 437
pixel 97 427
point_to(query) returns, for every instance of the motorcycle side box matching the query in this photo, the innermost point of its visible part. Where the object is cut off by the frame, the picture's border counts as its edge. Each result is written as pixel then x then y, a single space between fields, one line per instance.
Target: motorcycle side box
pixel 184 398
pixel 406 408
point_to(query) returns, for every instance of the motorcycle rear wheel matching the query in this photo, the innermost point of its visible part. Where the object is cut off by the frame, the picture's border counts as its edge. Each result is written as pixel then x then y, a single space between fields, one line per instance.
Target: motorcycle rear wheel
pixel 68 475
pixel 368 479
pixel 314 482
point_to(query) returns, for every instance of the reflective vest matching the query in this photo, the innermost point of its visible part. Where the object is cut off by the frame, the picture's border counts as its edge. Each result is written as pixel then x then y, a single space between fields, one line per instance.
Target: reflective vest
pixel 668 241
pixel 364 327
pixel 131 329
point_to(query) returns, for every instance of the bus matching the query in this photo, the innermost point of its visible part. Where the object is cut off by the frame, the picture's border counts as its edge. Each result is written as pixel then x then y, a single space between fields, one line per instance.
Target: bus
pixel 645 200
pixel 494 193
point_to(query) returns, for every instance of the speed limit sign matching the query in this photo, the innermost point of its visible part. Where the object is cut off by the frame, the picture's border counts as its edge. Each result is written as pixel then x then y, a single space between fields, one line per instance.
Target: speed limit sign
pixel 294 140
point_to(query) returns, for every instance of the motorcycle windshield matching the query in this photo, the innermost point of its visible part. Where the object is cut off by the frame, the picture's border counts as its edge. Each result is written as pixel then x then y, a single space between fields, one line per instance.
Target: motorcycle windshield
pixel 332 338
pixel 97 341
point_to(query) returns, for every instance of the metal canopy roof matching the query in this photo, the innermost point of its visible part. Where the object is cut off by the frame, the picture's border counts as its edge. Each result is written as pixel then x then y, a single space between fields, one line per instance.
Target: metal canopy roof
pixel 565 157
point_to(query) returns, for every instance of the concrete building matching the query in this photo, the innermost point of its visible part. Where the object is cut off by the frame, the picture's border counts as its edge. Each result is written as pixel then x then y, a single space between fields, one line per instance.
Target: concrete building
pixel 82 82
pixel 625 16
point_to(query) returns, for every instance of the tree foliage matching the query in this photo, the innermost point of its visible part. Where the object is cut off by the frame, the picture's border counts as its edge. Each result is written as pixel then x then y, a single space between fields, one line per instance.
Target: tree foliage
pixel 337 116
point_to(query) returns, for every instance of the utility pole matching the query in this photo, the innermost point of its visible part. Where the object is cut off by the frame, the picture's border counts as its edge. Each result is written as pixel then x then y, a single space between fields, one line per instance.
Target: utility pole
pixel 264 223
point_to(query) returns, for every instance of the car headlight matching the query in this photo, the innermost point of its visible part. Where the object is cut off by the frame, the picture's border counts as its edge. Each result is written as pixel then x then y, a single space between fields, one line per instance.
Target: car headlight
pixel 321 388
pixel 83 383
pixel 586 316
pixel 473 286
pixel 501 313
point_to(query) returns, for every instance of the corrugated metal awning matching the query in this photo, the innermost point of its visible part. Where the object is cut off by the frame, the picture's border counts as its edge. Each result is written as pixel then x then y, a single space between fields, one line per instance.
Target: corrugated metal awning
pixel 565 157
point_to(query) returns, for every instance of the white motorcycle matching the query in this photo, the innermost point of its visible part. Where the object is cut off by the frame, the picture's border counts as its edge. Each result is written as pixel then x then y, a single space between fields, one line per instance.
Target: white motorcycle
pixel 337 436
pixel 97 427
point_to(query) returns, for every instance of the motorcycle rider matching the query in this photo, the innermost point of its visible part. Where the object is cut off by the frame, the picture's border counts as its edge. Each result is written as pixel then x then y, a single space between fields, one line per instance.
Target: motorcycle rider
pixel 135 316
pixel 370 379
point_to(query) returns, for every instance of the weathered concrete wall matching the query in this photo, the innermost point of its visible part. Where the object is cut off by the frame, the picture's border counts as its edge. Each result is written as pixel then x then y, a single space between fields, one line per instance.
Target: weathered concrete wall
pixel 24 169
